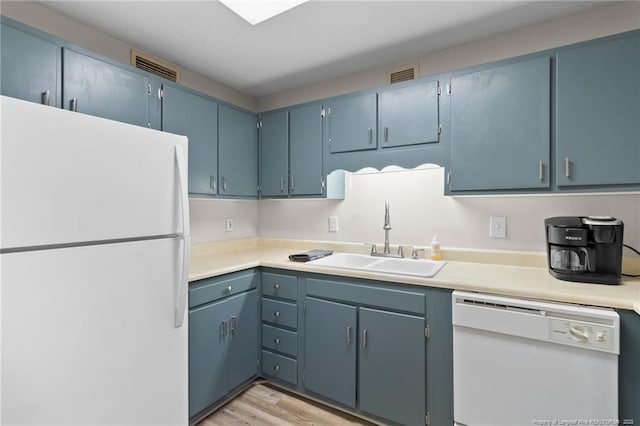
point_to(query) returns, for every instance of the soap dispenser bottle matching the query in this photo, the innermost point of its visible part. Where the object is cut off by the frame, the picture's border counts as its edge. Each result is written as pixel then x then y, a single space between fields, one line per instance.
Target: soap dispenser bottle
pixel 435 249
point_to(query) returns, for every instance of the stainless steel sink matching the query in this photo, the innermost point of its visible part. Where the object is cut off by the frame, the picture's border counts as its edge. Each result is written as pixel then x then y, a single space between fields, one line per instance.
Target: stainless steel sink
pixel 413 267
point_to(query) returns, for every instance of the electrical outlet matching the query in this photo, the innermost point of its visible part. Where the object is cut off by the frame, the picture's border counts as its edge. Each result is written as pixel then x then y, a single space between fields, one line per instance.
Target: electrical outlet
pixel 497 227
pixel 229 224
pixel 333 224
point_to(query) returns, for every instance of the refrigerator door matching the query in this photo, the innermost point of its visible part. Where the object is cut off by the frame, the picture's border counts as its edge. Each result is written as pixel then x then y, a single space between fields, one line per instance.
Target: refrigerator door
pixel 88 336
pixel 69 178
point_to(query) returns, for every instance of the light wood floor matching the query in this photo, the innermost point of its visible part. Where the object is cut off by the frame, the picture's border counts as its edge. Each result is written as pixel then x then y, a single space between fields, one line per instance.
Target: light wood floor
pixel 264 405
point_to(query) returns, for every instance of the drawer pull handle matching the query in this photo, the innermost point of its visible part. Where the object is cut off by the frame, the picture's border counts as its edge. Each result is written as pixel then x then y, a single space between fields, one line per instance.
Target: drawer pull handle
pixel 349 338
pixel 276 368
pixel 365 337
pixel 229 289
pixel 276 286
pixel 46 97
pixel 224 328
pixel 276 341
pixel 276 314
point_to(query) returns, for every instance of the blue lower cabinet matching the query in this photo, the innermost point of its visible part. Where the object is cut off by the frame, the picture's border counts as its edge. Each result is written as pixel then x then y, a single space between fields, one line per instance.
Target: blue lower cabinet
pixel 330 350
pixel 208 348
pixel 223 347
pixel 392 366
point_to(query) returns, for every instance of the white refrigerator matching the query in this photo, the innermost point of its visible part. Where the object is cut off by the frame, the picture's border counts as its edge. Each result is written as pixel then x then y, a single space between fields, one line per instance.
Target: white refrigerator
pixel 94 249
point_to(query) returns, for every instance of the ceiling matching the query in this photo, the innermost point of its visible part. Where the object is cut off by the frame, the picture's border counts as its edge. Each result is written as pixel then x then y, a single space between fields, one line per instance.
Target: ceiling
pixel 316 41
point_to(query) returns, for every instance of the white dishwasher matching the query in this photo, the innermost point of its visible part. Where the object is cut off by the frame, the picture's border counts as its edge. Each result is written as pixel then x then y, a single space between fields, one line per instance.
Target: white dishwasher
pixel 523 362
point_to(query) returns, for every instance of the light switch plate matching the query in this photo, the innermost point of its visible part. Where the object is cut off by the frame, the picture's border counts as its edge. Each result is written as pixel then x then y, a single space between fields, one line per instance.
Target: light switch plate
pixel 498 227
pixel 229 224
pixel 333 224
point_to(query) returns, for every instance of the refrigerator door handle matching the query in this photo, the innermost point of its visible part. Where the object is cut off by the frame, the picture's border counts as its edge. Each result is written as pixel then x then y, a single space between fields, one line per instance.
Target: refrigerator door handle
pixel 184 237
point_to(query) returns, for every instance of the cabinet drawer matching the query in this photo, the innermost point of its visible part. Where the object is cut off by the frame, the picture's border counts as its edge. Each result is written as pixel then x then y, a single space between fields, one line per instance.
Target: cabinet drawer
pixel 280 367
pixel 210 289
pixel 280 340
pixel 401 300
pixel 279 285
pixel 281 313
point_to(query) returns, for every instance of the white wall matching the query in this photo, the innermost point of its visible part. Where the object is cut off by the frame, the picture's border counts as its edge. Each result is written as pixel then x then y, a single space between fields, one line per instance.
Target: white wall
pixel 593 23
pixel 419 210
pixel 208 219
pixel 49 21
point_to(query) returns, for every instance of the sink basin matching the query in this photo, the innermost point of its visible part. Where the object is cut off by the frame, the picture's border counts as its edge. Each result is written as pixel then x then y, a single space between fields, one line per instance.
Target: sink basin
pixel 413 267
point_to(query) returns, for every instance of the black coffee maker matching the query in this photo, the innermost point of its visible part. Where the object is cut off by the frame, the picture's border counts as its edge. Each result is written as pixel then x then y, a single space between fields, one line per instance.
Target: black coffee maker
pixel 586 249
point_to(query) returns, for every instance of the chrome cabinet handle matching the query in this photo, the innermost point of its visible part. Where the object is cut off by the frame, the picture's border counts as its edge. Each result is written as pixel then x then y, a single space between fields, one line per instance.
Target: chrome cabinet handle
pixel 225 329
pixel 276 368
pixel 212 183
pixel 281 184
pixel 365 336
pixel 540 170
pixel 276 286
pixel 234 325
pixel 370 135
pixel 293 184
pixel 567 167
pixel 224 183
pixel 46 97
pixel 276 341
pixel 349 338
pixel 276 314
pixel 74 105
pixel 386 134
pixel 229 289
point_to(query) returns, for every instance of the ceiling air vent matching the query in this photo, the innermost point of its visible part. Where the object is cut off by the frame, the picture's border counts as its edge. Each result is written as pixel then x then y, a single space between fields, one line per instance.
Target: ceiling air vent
pixel 404 74
pixel 154 66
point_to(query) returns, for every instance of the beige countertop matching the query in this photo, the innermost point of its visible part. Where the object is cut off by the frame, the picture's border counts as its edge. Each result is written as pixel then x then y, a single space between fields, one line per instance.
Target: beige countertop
pixel 505 279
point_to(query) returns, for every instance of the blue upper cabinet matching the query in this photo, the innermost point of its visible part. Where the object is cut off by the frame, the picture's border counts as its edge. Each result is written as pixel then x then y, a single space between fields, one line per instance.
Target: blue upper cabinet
pixel 29 67
pixel 597 113
pixel 196 117
pixel 237 152
pixel 95 87
pixel 408 115
pixel 500 127
pixel 274 154
pixel 305 150
pixel 351 123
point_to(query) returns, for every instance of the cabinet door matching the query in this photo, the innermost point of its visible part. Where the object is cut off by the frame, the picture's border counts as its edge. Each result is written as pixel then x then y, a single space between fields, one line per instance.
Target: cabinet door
pixel 208 353
pixel 305 139
pixel 29 67
pixel 97 88
pixel 196 117
pixel 274 154
pixel 392 362
pixel 243 330
pixel 351 124
pixel 500 127
pixel 409 115
pixel 330 350
pixel 238 153
pixel 597 113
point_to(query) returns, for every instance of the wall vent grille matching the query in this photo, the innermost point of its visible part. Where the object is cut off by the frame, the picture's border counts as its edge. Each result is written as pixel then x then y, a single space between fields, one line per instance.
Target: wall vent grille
pixel 403 74
pixel 154 66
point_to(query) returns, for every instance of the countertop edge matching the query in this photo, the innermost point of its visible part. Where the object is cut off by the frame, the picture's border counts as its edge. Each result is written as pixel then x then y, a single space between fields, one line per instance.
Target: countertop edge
pixel 261 258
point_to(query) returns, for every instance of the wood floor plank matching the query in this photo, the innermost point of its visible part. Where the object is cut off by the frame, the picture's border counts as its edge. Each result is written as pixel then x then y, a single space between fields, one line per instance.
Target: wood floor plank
pixel 263 405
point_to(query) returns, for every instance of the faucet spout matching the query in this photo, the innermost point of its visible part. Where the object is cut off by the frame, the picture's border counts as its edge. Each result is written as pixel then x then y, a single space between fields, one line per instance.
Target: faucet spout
pixel 386 227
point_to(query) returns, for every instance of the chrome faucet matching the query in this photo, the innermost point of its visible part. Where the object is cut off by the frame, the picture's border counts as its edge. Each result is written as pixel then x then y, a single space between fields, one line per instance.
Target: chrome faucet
pixel 387 227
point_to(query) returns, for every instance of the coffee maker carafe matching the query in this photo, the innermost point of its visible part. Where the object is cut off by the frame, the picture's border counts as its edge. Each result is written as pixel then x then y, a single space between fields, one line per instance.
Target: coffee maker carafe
pixel 586 249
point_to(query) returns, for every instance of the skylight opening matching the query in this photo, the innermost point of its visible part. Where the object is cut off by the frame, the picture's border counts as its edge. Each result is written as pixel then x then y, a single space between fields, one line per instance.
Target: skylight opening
pixel 256 11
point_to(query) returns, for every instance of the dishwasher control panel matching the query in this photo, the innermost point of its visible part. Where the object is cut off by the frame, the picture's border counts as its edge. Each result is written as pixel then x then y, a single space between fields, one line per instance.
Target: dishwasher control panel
pixel 581 333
